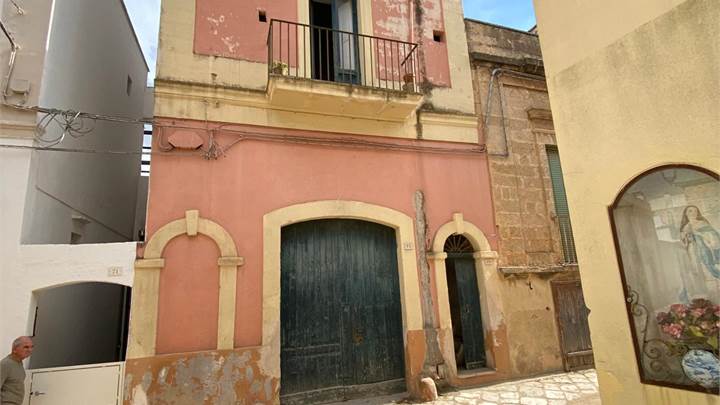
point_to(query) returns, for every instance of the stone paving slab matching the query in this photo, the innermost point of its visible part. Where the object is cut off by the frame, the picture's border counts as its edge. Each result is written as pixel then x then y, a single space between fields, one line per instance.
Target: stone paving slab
pixel 559 389
pixel 575 388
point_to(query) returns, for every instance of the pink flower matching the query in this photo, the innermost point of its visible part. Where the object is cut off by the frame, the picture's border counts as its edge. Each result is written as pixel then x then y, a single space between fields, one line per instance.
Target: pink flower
pixel 717 310
pixel 697 312
pixel 673 330
pixel 678 309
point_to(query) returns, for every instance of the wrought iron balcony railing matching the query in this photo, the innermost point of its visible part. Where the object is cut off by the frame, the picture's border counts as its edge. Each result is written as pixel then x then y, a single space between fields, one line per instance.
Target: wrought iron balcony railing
pixel 319 53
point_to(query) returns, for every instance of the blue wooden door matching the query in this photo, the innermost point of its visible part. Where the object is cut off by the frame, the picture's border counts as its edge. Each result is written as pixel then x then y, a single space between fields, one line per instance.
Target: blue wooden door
pixel 470 317
pixel 340 310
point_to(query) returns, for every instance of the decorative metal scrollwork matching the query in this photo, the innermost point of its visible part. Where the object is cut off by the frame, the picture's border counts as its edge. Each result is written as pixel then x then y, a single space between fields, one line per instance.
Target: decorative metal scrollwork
pixel 458 244
pixel 662 358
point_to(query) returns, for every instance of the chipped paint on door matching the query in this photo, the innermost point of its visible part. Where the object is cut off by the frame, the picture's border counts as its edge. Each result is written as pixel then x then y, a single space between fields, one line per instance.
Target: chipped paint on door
pixel 340 310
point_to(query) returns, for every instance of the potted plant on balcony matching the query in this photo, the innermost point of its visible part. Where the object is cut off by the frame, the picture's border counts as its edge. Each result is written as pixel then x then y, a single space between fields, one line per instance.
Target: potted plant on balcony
pixel 279 68
pixel 408 82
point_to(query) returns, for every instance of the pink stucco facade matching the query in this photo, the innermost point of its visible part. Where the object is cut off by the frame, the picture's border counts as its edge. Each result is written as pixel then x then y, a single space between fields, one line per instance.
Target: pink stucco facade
pixel 232 29
pixel 228 155
pixel 257 177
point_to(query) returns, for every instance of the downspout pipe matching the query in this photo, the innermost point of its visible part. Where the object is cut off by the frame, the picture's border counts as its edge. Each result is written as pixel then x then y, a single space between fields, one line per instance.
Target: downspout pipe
pixel 494 76
pixel 11 63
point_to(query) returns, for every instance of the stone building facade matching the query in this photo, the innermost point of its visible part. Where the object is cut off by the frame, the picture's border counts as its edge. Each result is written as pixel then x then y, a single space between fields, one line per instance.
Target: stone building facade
pixel 536 249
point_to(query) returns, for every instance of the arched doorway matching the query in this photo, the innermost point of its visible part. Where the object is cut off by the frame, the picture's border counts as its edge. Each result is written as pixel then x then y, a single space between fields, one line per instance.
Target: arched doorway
pixel 464 297
pixel 341 319
pixel 80 324
pixel 80 332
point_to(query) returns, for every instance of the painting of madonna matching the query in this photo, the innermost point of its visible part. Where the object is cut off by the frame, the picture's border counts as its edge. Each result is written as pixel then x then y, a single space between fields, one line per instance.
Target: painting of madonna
pixel 666 228
pixel 701 241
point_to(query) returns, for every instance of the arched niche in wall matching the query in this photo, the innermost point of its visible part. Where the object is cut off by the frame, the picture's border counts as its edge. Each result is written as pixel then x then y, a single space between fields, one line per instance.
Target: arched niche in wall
pixel 666 225
pixel 146 287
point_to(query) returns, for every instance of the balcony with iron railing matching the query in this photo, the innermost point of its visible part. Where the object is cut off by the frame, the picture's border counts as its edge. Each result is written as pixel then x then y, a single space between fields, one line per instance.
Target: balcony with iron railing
pixel 319 69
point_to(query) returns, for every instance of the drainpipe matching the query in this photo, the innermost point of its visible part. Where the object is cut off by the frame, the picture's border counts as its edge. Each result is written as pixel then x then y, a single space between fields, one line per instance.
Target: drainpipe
pixel 494 76
pixel 11 64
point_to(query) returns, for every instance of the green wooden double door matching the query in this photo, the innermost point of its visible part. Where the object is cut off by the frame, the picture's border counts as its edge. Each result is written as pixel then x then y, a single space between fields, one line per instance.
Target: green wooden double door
pixel 341 333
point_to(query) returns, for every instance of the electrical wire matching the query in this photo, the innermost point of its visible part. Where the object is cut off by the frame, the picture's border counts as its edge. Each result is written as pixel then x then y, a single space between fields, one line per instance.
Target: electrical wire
pixel 69 121
pixel 218 150
pixel 80 114
pixel 19 10
pixel 77 124
pixel 94 151
pixel 73 123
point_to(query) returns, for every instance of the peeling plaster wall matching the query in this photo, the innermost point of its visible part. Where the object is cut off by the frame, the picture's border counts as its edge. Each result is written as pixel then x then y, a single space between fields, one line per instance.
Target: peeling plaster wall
pixel 196 47
pixel 459 97
pixel 398 19
pixel 255 178
pixel 232 29
pixel 217 377
pixel 437 65
pixel 393 19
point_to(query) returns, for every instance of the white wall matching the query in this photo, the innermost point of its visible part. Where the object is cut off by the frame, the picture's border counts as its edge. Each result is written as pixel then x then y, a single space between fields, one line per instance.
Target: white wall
pixel 14 165
pixel 92 51
pixel 36 267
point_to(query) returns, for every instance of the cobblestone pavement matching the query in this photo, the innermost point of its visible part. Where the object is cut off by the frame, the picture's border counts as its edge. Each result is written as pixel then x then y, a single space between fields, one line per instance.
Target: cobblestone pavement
pixel 559 389
pixel 576 388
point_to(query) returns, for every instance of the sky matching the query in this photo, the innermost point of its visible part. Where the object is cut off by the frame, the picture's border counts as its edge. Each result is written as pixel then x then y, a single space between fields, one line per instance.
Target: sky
pixel 518 14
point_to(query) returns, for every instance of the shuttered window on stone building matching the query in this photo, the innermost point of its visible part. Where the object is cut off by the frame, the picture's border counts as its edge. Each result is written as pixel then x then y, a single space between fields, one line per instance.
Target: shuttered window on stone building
pixel 561 205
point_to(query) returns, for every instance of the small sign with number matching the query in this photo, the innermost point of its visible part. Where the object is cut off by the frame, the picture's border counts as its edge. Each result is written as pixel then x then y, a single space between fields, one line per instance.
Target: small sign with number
pixel 115 272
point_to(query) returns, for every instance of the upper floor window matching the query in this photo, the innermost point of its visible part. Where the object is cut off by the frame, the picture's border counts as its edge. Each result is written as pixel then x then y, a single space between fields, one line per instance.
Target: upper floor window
pixel 562 211
pixel 666 225
pixel 332 49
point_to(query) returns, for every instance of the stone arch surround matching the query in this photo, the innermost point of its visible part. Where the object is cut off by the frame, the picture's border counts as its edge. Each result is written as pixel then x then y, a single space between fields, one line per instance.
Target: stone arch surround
pixel 486 261
pixel 146 287
pixel 407 268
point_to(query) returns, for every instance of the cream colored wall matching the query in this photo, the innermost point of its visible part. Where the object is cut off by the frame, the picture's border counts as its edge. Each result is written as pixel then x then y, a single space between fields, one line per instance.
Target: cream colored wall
pixel 220 89
pixel 593 24
pixel 460 96
pixel 647 99
pixel 28 63
pixel 177 61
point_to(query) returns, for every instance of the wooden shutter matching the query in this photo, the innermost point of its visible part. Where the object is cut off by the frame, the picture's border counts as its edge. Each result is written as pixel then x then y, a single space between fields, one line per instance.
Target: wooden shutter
pixel 561 205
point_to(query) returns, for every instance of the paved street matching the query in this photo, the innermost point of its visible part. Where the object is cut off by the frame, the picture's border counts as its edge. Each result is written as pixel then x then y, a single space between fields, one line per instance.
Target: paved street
pixel 576 388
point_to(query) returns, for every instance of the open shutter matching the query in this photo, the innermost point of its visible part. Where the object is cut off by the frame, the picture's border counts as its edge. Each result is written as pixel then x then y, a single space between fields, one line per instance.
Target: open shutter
pixel 561 205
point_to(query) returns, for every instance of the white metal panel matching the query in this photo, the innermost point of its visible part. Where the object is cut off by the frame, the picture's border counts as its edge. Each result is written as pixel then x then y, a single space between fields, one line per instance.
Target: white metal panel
pixel 97 384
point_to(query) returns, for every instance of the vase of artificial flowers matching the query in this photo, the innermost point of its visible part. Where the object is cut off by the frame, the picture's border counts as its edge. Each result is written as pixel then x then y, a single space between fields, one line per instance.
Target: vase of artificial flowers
pixel 696 326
